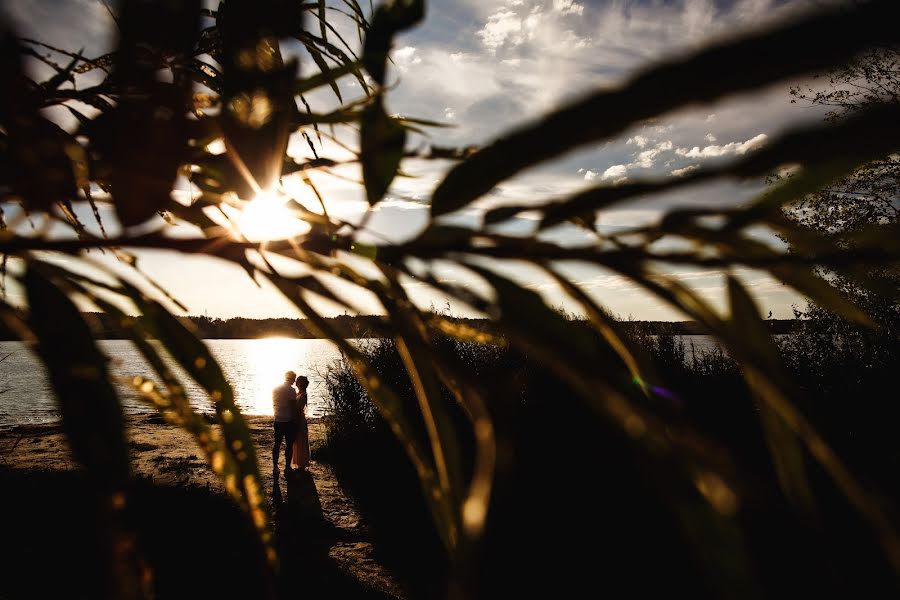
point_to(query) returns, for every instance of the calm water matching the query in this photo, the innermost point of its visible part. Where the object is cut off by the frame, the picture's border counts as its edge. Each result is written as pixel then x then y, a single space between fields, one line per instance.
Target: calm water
pixel 253 368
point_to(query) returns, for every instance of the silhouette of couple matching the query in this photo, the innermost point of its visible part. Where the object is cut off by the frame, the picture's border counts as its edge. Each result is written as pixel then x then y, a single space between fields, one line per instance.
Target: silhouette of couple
pixel 290 424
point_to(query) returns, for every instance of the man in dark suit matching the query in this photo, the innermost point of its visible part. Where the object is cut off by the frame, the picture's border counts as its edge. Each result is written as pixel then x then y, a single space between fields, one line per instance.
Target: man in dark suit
pixel 284 399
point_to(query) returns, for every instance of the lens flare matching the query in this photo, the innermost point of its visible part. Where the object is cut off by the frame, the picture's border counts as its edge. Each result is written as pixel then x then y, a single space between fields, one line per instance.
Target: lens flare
pixel 266 218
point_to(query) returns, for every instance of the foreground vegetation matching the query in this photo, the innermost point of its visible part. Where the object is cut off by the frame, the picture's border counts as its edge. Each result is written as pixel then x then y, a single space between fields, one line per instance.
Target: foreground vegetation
pixel 720 489
pixel 575 494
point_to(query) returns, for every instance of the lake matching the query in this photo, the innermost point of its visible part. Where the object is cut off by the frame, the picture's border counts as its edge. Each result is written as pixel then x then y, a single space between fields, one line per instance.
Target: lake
pixel 253 367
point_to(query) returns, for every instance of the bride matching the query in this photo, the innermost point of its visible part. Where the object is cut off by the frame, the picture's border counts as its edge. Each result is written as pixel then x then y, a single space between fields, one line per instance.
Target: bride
pixel 300 461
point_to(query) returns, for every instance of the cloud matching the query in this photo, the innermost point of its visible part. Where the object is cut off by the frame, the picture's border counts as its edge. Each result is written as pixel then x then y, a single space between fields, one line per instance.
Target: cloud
pixel 507 28
pixel 501 26
pixel 616 173
pixel 568 7
pixel 646 158
pixel 404 57
pixel 589 175
pixel 710 138
pixel 684 170
pixel 638 140
pixel 731 148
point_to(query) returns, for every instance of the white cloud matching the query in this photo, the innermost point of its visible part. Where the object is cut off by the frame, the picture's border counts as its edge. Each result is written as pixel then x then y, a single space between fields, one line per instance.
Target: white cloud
pixel 568 7
pixel 711 118
pixel 710 138
pixel 507 28
pixel 616 173
pixel 404 57
pixel 730 148
pixel 646 158
pixel 684 170
pixel 638 140
pixel 588 175
pixel 571 40
pixel 449 113
pixel 502 25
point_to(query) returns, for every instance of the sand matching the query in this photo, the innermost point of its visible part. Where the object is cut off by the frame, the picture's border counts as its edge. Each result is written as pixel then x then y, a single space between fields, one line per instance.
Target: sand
pixel 167 456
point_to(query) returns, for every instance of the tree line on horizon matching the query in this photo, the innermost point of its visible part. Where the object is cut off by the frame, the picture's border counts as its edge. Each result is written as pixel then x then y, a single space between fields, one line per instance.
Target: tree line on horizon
pixel 107 327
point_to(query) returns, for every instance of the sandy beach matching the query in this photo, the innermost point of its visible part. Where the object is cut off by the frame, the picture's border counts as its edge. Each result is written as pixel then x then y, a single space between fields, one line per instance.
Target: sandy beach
pixel 166 457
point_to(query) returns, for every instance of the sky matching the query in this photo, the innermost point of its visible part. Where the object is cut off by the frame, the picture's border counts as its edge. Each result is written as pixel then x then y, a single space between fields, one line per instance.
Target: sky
pixel 485 67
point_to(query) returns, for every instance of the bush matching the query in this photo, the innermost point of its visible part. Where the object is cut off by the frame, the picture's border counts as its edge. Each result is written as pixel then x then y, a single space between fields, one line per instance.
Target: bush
pixel 573 495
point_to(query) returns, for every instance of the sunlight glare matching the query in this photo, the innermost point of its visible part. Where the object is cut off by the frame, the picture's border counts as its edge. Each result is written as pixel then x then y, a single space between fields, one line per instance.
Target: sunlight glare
pixel 266 218
pixel 268 367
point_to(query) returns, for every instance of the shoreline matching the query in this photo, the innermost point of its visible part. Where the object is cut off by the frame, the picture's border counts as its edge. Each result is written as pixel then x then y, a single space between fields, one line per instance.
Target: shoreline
pixel 166 456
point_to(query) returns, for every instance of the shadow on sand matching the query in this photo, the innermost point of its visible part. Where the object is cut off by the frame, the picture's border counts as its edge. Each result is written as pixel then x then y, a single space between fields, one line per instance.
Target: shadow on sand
pixel 304 538
pixel 199 543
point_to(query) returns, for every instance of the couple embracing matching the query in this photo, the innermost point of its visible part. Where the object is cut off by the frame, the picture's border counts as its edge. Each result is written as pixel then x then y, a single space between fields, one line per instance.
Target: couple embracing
pixel 290 424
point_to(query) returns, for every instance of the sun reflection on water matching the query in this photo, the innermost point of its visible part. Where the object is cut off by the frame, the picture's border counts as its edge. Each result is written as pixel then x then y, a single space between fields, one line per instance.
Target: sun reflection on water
pixel 254 367
pixel 271 357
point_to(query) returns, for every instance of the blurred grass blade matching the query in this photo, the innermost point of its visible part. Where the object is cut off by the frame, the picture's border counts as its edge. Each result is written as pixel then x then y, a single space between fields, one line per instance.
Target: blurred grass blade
pixel 391 17
pixel 173 404
pixel 464 332
pixel 737 65
pixel 323 23
pixel 390 406
pixel 866 504
pixel 195 358
pixel 638 364
pixel 441 434
pixel 324 70
pixel 326 77
pixel 93 422
pixel 91 414
pixel 785 448
pixel 421 352
pixel 575 354
pixel 799 276
pixel 381 149
pixel 827 152
pixel 144 138
pixel 804 280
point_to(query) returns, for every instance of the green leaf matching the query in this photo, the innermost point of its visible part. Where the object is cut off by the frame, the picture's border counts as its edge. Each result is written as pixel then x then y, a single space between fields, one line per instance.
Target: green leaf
pixel 381 150
pixel 91 414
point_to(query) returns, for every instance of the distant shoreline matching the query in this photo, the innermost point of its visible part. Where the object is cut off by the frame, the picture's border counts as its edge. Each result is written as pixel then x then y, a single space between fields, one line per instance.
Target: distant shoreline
pixel 348 327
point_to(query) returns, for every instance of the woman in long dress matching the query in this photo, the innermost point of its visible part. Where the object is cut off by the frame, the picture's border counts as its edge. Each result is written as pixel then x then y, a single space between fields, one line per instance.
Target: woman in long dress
pixel 300 461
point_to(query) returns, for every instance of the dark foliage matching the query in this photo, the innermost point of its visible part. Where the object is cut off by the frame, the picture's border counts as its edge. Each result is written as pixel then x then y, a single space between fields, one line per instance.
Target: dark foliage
pixel 573 496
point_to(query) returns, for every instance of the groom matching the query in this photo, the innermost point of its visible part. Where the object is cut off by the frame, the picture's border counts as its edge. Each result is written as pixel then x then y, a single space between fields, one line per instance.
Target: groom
pixel 284 399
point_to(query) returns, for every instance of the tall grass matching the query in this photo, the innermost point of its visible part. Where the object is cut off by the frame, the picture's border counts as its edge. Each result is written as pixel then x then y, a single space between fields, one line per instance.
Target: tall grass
pixel 561 512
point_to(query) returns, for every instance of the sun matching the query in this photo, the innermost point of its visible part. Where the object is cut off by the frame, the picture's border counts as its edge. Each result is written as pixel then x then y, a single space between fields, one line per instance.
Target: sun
pixel 266 218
